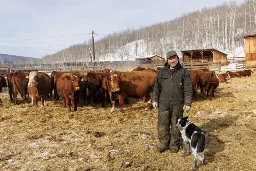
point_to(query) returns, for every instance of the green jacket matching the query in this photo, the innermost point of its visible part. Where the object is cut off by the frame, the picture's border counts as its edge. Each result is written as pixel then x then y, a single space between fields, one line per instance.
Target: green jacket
pixel 172 87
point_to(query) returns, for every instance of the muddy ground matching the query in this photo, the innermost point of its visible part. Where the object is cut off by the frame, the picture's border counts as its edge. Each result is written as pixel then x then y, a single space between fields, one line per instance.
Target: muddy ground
pixel 50 138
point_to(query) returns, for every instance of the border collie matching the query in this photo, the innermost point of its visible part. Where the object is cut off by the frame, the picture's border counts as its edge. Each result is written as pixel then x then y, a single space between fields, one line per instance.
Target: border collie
pixel 195 137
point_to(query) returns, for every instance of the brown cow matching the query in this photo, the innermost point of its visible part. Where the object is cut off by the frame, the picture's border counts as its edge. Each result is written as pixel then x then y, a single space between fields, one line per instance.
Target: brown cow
pixel 83 84
pixel 17 84
pixel 244 73
pixel 139 68
pixel 211 85
pixel 55 76
pixel 68 88
pixel 39 86
pixel 222 77
pixel 232 74
pixel 129 84
pixel 2 84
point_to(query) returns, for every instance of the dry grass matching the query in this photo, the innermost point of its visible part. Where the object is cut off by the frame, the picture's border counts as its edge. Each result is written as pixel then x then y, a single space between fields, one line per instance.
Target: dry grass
pixel 50 138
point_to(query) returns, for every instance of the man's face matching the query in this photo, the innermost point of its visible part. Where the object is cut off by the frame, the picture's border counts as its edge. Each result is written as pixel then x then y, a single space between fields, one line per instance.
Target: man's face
pixel 172 61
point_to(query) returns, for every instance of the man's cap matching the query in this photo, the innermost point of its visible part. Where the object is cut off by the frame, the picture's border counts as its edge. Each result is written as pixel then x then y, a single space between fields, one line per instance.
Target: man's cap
pixel 171 53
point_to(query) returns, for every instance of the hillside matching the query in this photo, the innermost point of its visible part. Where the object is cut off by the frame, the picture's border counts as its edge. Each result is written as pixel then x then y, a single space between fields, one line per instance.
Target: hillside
pixel 222 27
pixel 13 59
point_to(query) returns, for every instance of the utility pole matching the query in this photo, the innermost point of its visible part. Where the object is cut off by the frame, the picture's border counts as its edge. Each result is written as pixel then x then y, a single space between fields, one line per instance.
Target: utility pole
pixel 93 50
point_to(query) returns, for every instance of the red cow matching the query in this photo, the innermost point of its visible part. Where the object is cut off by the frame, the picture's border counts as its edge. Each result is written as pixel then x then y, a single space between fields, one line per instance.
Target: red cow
pixel 2 84
pixel 68 88
pixel 222 77
pixel 211 85
pixel 17 84
pixel 129 84
pixel 232 74
pixel 39 86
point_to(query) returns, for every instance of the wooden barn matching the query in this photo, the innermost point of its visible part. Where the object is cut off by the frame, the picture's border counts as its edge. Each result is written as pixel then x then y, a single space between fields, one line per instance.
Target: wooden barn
pixel 157 58
pixel 149 59
pixel 203 56
pixel 250 51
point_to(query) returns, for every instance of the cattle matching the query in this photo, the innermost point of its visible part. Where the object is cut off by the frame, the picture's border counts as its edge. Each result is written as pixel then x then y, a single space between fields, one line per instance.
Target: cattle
pixel 83 84
pixel 195 78
pixel 211 85
pixel 210 82
pixel 17 84
pixel 68 88
pixel 129 84
pixel 244 73
pixel 55 76
pixel 39 86
pixel 222 77
pixel 232 74
pixel 139 68
pixel 2 84
pixel 94 85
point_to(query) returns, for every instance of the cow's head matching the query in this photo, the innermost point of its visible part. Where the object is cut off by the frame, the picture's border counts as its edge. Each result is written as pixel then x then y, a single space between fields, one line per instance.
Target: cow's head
pixel 33 79
pixel 113 82
pixel 75 81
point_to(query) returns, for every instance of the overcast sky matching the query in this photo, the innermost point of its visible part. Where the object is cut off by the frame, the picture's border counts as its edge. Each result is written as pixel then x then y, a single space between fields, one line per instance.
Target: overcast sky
pixel 35 28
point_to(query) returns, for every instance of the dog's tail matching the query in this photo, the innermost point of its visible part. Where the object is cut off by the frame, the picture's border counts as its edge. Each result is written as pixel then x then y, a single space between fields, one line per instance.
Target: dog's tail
pixel 201 143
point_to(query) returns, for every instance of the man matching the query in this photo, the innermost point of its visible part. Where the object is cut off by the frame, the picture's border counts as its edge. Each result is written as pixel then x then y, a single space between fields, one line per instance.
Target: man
pixel 172 95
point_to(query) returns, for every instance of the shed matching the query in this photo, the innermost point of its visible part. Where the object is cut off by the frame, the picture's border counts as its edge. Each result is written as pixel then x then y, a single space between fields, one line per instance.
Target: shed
pixel 157 58
pixel 203 56
pixel 250 50
pixel 152 58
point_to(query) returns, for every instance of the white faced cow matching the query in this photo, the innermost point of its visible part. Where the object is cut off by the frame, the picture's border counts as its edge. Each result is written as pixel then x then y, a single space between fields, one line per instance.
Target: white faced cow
pixel 39 86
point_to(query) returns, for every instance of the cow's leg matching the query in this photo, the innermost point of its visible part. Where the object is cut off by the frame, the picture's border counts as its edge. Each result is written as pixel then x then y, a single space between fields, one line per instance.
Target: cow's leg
pixel 65 101
pixel 43 101
pixel 15 97
pixel 121 102
pixel 32 101
pixel 74 101
pixel 10 94
pixel 68 102
pixel 113 101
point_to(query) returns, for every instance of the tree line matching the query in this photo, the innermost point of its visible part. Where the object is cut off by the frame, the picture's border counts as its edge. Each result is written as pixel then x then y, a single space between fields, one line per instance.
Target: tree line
pixel 222 27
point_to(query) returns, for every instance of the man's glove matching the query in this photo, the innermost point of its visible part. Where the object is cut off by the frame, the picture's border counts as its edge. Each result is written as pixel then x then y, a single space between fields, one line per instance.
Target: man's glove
pixel 154 104
pixel 186 108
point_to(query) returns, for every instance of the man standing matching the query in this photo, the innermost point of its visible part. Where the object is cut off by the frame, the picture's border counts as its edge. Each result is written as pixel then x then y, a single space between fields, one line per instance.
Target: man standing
pixel 172 95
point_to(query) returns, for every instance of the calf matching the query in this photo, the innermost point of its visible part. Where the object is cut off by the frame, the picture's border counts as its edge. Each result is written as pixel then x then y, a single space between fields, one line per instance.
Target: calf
pixel 68 88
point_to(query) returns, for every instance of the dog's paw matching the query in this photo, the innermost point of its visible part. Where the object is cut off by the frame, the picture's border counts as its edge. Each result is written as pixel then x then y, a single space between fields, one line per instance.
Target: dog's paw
pixel 195 168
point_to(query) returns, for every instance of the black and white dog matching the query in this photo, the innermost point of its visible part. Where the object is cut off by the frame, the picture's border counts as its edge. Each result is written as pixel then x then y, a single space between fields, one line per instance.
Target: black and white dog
pixel 194 136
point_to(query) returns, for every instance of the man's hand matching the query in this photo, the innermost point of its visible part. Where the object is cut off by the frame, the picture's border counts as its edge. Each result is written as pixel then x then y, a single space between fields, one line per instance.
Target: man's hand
pixel 154 104
pixel 186 108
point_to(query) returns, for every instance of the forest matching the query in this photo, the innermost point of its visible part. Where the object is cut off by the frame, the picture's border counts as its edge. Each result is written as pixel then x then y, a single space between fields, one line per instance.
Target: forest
pixel 222 27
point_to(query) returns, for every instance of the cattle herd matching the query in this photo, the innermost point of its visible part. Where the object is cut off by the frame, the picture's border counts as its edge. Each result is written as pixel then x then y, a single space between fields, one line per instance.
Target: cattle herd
pixel 104 86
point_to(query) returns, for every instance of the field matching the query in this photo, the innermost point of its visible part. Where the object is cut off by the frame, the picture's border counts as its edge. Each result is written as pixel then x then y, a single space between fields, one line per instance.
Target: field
pixel 50 138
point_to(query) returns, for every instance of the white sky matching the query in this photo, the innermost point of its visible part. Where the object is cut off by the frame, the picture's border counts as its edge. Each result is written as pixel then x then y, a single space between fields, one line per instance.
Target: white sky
pixel 35 28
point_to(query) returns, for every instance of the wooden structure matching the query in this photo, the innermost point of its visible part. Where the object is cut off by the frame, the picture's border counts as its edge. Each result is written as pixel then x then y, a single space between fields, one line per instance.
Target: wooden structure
pixel 203 56
pixel 149 59
pixel 157 58
pixel 250 51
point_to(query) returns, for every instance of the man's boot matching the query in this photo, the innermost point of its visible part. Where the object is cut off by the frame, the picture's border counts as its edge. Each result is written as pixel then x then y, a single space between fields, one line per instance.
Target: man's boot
pixel 161 149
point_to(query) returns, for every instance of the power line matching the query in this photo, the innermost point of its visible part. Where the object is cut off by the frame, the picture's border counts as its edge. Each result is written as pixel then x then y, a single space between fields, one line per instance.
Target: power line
pixel 42 38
